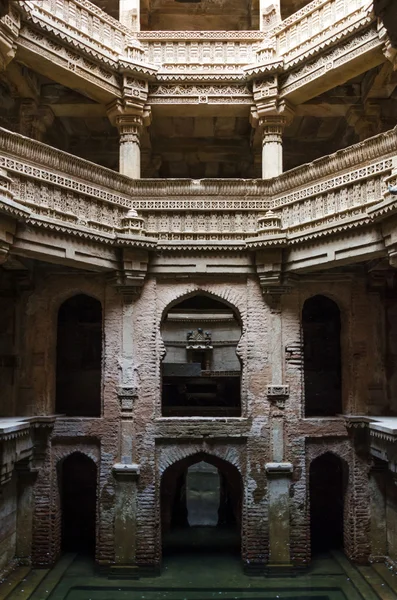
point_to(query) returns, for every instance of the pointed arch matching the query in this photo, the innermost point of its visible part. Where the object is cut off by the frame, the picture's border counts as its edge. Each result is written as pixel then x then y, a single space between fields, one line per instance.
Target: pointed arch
pixel 173 493
pixel 201 369
pixel 77 477
pixel 328 477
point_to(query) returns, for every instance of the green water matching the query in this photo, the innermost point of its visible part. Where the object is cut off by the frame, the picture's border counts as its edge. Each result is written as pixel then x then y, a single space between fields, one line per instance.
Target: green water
pixel 206 577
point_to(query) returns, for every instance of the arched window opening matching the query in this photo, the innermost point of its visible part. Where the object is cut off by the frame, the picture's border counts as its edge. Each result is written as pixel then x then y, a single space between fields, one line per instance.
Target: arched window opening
pixel 322 357
pixel 201 501
pixel 201 371
pixel 79 357
pixel 327 483
pixel 78 491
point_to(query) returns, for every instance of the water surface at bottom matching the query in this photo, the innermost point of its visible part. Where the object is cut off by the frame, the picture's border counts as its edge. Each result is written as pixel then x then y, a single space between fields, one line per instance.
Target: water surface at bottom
pixel 205 577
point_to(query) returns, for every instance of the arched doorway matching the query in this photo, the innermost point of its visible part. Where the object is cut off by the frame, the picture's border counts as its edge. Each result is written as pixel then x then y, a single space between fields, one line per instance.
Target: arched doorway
pixel 321 324
pixel 79 357
pixel 78 491
pixel 327 484
pixel 201 500
pixel 201 372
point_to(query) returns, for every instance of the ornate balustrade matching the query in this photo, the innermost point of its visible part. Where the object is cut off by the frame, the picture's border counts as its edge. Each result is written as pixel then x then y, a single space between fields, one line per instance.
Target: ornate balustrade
pixel 82 24
pixel 57 191
pixel 319 24
pixel 108 48
pixel 200 53
pixel 336 192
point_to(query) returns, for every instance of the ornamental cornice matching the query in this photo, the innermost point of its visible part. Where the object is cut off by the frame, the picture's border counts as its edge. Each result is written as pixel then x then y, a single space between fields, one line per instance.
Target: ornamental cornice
pixel 238 35
pixel 84 45
pixel 86 41
pixel 212 77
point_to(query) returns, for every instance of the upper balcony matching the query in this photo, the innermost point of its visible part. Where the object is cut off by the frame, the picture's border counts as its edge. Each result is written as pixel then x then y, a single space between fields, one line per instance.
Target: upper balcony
pixel 191 40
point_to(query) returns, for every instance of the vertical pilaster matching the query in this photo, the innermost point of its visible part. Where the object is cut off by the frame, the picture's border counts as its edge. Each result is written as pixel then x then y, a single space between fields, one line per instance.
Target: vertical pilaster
pixel 125 524
pixel 279 475
pixel 129 14
pixel 25 482
pixel 278 471
pixel 377 490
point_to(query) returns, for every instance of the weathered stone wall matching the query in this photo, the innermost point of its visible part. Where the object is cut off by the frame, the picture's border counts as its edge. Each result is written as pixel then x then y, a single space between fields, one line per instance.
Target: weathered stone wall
pixel 8 522
pixel 391 517
pixel 247 442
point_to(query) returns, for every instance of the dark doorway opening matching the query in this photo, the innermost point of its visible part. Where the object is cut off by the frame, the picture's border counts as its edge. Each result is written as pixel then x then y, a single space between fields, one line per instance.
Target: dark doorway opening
pixel 78 489
pixel 201 371
pixel 321 325
pixel 201 499
pixel 327 490
pixel 79 357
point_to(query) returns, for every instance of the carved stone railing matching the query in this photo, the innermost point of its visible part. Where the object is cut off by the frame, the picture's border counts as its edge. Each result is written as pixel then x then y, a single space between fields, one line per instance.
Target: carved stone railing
pixel 67 194
pixel 335 192
pixel 82 24
pixel 64 193
pixel 319 24
pixel 201 52
pixel 238 56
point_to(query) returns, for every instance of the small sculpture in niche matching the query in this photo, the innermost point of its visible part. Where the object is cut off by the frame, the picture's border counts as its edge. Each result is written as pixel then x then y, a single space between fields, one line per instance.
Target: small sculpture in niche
pixel 199 347
pixel 198 339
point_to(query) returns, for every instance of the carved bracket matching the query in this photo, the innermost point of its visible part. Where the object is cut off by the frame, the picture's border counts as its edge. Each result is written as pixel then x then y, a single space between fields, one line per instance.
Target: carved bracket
pixel 278 394
pixel 127 397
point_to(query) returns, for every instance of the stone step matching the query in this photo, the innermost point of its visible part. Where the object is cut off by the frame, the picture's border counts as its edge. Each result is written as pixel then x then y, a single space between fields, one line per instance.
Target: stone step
pixel 389 576
pixel 355 577
pixel 26 587
pixel 49 583
pixel 377 583
pixel 12 581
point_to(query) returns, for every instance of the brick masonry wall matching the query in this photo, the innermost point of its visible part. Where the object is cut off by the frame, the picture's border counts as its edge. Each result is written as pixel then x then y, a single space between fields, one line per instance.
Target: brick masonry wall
pixel 158 442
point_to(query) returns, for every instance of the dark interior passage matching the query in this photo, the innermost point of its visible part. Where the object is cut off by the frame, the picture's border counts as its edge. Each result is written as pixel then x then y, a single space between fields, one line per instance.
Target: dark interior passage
pixel 322 357
pixel 201 506
pixel 78 483
pixel 327 486
pixel 79 357
pixel 201 372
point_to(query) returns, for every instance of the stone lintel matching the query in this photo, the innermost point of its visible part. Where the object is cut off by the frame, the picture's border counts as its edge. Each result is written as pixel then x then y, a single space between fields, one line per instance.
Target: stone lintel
pixel 126 471
pixel 278 469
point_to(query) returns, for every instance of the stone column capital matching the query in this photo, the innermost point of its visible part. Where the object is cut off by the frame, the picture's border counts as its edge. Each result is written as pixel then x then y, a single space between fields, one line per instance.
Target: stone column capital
pixel 274 118
pixel 130 128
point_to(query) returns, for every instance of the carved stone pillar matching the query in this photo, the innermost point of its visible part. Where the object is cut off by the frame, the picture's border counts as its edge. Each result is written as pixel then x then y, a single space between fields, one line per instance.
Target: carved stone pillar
pixel 130 129
pixel 129 14
pixel 272 145
pixel 269 14
pixel 34 119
